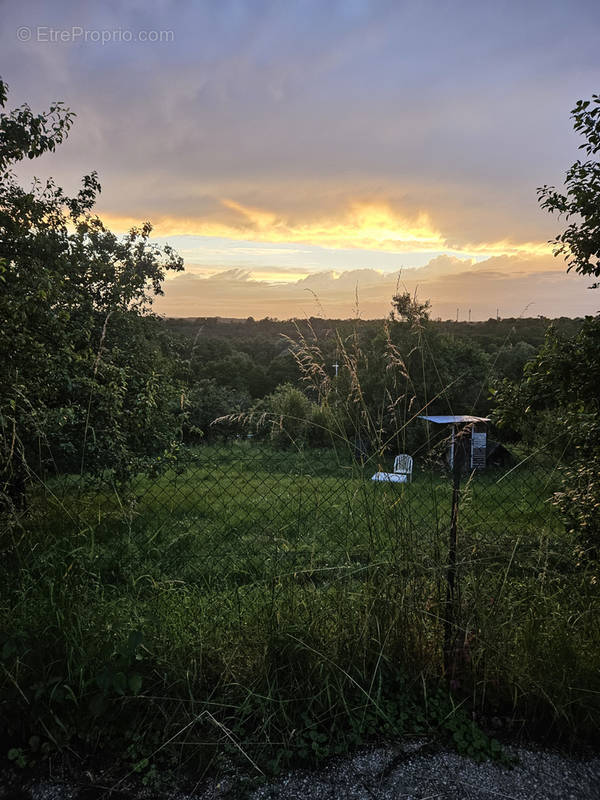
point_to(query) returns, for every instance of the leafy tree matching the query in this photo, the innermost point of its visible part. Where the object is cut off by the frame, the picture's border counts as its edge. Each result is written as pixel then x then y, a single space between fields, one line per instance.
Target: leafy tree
pixel 24 134
pixel 207 401
pixel 556 406
pixel 289 413
pixel 564 379
pixel 83 369
pixel 509 361
pixel 236 370
pixel 282 369
pixel 292 419
pixel 557 400
pixel 407 308
pixel 580 204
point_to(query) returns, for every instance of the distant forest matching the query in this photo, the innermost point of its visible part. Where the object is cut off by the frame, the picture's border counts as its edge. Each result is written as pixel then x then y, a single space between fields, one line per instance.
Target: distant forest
pixel 255 356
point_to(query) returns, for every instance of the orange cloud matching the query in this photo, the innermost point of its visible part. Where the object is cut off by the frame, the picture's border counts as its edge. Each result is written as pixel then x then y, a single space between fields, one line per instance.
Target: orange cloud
pixel 360 225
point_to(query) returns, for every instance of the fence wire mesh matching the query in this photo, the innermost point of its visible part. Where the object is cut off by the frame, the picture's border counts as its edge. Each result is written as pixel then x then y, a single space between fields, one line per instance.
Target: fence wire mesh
pixel 259 575
pixel 243 513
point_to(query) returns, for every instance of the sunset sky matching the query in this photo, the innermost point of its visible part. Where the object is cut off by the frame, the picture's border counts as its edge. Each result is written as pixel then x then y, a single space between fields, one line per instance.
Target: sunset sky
pixel 303 156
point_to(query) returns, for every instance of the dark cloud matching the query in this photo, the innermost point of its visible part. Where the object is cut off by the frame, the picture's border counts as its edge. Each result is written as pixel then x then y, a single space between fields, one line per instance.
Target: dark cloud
pixel 457 109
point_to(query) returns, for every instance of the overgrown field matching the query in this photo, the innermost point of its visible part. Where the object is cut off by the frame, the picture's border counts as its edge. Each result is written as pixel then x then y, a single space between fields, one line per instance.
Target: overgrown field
pixel 277 604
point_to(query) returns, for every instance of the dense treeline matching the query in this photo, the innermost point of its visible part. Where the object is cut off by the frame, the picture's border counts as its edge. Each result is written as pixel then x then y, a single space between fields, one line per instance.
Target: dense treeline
pixel 257 355
pixel 443 367
pixel 490 333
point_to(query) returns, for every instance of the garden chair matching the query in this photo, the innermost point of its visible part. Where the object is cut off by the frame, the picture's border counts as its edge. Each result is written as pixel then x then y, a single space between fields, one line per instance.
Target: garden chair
pixel 403 465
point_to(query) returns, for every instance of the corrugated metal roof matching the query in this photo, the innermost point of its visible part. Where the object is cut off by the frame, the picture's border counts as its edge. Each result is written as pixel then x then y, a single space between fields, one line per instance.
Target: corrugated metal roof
pixel 456 420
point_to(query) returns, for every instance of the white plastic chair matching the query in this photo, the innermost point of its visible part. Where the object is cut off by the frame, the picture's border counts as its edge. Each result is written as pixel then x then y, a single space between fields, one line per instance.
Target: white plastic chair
pixel 403 465
pixel 402 473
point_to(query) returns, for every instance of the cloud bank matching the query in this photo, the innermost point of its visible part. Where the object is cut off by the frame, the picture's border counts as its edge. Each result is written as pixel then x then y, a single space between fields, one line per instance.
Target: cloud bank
pixel 510 286
pixel 346 124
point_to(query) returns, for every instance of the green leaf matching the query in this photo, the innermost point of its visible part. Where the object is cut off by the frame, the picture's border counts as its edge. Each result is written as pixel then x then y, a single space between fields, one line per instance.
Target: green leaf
pixel 120 683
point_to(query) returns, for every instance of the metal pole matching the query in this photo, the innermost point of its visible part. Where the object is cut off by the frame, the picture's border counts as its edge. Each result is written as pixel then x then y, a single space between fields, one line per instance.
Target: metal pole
pixel 450 612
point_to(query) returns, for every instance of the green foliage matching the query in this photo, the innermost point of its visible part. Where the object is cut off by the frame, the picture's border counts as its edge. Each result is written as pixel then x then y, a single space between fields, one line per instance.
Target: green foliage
pixel 292 419
pixel 580 241
pixel 400 368
pixel 558 390
pixel 579 503
pixel 289 610
pixel 207 401
pixel 510 360
pixel 556 406
pixel 234 370
pixel 25 134
pixel 86 374
pixel 119 675
pixel 245 361
pixel 459 728
pixel 17 755
pixel 408 309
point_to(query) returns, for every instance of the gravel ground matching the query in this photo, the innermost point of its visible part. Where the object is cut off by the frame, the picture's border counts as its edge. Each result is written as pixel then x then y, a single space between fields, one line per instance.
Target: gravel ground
pixel 406 772
pixel 387 774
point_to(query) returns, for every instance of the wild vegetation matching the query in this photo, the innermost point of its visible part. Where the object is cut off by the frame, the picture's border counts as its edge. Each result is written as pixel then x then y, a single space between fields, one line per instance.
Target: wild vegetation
pixel 250 358
pixel 195 562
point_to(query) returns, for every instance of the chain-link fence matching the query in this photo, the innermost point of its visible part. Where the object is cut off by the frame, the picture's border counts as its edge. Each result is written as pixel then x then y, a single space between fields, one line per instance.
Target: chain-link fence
pixel 244 515
pixel 287 578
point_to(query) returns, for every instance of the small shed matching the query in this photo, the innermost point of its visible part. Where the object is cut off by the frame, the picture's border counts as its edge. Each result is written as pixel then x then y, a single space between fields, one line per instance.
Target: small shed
pixel 471 432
